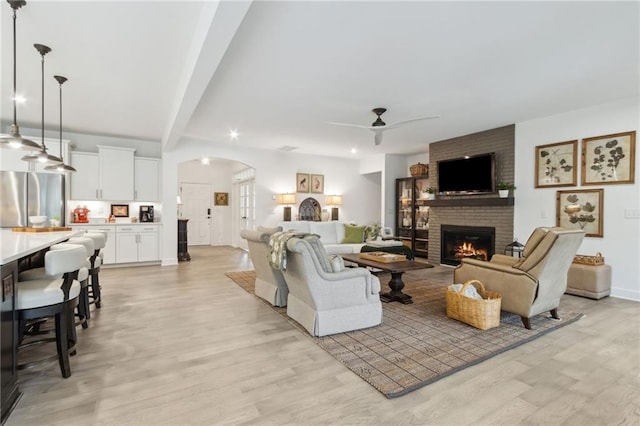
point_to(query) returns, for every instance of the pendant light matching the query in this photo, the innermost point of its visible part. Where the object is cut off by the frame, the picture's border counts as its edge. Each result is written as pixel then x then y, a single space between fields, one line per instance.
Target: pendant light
pixel 14 139
pixel 43 156
pixel 62 167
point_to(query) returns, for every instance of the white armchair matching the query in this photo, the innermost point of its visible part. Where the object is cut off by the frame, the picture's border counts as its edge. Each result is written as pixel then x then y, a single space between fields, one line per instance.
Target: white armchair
pixel 270 284
pixel 327 302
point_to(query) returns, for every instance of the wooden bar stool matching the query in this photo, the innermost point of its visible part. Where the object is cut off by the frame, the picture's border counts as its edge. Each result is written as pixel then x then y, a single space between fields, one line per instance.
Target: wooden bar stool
pixel 53 297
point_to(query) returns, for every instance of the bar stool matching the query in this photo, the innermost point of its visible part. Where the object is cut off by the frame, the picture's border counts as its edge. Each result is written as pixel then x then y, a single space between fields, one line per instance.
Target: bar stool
pixel 99 242
pixel 84 313
pixel 55 297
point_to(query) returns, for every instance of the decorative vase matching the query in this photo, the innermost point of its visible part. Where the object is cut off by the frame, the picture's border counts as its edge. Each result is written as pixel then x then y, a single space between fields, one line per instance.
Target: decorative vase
pixel 431 196
pixel 503 193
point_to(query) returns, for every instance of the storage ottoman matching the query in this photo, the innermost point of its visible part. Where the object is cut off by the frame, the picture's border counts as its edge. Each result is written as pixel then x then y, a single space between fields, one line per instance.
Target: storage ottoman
pixel 589 281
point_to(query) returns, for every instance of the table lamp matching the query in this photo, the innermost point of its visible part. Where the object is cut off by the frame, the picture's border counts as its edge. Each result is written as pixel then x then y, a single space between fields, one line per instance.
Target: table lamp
pixel 286 200
pixel 334 200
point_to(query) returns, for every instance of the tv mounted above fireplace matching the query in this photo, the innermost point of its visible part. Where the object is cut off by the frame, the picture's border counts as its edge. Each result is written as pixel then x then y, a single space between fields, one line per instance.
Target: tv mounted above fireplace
pixel 468 175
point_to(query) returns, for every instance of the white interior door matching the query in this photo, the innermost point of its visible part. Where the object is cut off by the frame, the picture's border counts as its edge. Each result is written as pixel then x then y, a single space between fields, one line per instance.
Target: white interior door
pixel 246 208
pixel 196 206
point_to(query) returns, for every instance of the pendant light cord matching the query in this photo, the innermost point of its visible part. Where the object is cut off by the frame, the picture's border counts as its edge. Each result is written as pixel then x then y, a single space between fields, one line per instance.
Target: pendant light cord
pixel 15 114
pixel 60 86
pixel 44 148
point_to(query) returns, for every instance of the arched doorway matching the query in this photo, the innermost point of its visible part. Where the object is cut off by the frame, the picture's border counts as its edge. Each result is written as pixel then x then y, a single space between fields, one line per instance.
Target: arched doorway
pixel 213 220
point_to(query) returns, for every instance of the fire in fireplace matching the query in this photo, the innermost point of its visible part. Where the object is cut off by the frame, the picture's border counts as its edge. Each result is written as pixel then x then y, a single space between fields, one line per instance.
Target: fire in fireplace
pixel 459 242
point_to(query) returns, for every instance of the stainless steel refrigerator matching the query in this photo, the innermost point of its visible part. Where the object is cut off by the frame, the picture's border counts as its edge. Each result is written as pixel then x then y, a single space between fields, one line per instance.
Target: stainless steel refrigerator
pixel 24 194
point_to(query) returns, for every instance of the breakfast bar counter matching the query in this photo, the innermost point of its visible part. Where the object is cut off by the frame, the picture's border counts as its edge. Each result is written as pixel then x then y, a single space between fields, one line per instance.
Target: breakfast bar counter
pixel 13 247
pixel 16 245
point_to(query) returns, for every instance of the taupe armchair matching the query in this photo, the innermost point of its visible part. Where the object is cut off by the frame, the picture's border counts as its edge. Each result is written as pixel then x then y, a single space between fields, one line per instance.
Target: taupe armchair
pixel 533 284
pixel 270 284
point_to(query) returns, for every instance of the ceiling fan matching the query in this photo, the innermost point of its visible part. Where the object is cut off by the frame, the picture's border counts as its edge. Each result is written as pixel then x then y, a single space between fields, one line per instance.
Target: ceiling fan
pixel 379 126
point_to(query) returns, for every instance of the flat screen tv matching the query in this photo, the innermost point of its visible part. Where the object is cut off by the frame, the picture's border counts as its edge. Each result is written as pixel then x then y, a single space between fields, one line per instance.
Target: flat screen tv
pixel 468 175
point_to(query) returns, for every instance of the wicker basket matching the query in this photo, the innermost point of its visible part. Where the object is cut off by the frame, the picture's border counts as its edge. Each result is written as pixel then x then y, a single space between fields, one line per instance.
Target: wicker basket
pixel 481 313
pixel 584 259
pixel 419 169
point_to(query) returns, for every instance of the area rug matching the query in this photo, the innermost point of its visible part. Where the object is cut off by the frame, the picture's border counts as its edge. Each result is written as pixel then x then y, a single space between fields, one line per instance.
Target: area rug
pixel 418 344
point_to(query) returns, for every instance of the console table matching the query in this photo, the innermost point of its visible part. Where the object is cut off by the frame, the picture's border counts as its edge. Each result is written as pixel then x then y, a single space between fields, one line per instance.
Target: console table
pixel 183 249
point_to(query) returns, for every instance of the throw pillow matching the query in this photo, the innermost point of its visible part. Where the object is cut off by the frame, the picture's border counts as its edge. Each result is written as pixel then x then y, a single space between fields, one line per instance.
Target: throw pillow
pixel 371 232
pixel 353 234
pixel 337 263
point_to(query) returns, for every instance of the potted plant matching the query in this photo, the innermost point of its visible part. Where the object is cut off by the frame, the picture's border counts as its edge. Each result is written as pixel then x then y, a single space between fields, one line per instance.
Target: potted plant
pixel 504 188
pixel 430 193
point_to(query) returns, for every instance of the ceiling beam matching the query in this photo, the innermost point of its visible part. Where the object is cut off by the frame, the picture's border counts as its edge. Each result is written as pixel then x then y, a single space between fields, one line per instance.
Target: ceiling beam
pixel 214 32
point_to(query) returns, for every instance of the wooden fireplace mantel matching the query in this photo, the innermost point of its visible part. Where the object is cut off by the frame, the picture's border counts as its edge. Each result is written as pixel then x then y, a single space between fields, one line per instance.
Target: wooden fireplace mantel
pixel 463 202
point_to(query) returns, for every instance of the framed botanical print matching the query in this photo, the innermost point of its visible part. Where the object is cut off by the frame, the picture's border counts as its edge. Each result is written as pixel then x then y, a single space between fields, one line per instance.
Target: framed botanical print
pixel 609 159
pixel 556 164
pixel 220 198
pixel 317 184
pixel 303 182
pixel 581 209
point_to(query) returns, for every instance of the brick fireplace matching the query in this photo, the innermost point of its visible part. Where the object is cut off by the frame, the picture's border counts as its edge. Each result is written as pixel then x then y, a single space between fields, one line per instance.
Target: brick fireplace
pixel 476 210
pixel 459 242
pixel 498 217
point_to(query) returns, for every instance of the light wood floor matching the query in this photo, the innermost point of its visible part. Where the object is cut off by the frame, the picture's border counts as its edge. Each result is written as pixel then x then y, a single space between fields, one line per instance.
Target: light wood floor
pixel 183 345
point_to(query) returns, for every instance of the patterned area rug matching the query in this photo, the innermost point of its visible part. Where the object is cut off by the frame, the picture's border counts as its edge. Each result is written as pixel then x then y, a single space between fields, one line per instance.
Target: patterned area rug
pixel 418 344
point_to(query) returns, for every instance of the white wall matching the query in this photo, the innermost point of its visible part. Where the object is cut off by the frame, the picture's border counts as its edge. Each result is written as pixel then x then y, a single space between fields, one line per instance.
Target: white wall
pixel 537 207
pixel 275 173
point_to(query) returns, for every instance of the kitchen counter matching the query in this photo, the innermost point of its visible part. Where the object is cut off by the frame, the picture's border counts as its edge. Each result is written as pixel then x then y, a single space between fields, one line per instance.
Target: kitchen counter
pixel 114 223
pixel 16 245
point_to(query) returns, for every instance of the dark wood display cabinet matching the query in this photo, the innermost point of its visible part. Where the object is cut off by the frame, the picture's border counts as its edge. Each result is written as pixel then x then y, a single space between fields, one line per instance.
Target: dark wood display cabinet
pixel 412 214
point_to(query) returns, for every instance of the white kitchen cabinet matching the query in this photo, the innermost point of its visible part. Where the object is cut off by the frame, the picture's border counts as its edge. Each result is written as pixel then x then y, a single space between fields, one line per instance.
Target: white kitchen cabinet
pixel 116 173
pixel 137 243
pixel 109 230
pixel 107 175
pixel 147 179
pixel 85 182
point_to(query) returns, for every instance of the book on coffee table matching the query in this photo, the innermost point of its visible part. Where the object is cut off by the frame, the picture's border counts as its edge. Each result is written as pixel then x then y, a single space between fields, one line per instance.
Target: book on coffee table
pixel 383 257
pixel 384 243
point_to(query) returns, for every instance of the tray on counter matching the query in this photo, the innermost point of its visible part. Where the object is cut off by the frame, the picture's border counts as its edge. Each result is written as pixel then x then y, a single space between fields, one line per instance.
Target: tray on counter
pixel 43 229
pixel 383 257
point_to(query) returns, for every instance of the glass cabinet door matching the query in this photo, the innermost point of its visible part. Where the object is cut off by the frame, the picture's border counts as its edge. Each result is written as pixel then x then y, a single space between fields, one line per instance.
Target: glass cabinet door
pixel 412 214
pixel 404 216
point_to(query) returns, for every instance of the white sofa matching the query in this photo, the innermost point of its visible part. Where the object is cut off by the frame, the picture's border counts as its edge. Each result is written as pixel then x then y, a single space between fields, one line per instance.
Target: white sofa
pixel 331 235
pixel 270 284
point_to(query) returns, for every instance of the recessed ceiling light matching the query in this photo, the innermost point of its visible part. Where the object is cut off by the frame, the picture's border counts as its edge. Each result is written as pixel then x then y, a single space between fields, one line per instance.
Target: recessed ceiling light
pixel 233 134
pixel 205 161
pixel 353 150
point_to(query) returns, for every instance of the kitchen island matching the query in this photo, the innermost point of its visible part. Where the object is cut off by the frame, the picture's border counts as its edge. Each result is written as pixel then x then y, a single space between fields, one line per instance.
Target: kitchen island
pixel 13 247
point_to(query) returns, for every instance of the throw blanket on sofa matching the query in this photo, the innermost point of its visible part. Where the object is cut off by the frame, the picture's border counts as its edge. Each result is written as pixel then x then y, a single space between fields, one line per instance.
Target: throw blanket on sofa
pixel 278 247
